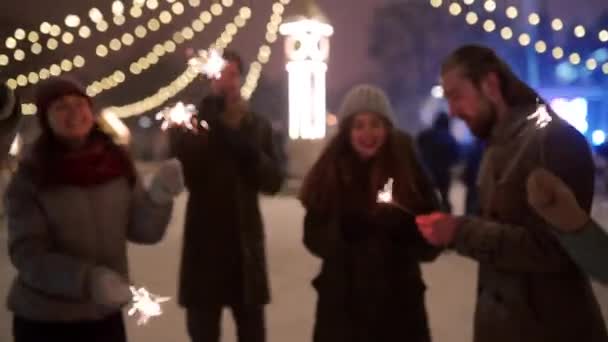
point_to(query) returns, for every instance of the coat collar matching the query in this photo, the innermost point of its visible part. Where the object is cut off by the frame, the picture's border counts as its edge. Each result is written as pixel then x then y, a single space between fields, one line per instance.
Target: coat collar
pixel 513 124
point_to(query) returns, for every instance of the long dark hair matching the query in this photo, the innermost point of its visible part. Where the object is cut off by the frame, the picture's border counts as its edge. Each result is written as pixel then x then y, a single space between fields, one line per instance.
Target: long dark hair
pixel 331 182
pixel 477 61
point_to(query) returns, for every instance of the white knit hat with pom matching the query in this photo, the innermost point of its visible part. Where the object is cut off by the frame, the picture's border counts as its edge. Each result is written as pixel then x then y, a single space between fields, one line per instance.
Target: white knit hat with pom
pixel 366 98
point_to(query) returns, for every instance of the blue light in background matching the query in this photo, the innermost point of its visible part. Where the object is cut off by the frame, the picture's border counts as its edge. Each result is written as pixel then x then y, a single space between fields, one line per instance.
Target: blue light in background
pixel 598 137
pixel 601 55
pixel 566 72
pixel 574 111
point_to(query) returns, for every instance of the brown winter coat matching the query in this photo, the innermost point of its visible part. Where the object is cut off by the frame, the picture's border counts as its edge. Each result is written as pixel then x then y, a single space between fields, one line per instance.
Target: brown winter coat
pixel 224 258
pixel 529 289
pixel 371 288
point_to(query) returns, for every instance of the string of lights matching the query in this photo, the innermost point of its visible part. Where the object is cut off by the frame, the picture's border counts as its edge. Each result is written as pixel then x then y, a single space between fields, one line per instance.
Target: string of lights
pixel 160 50
pixel 125 40
pixel 169 91
pixel 51 36
pixel 524 39
pixel 265 51
pixel 184 79
pixel 181 82
pixel 534 19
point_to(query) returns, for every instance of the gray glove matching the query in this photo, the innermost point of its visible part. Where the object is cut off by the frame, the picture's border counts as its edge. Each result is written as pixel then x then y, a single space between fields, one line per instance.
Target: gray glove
pixel 108 288
pixel 168 182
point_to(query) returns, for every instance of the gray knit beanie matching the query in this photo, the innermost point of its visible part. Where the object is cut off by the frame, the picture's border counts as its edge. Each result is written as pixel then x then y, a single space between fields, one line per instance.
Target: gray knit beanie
pixel 366 98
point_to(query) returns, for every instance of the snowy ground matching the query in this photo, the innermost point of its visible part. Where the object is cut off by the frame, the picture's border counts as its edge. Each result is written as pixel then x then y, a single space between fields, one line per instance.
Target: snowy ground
pixel 450 280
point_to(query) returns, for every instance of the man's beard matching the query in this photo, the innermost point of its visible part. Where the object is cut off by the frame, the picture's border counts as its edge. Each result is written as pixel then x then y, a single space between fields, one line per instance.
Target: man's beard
pixel 484 123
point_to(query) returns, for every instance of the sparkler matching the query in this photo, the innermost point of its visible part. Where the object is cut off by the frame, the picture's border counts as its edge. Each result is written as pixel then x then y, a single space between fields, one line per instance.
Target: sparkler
pixel 180 115
pixel 145 305
pixel 542 116
pixel 385 195
pixel 209 63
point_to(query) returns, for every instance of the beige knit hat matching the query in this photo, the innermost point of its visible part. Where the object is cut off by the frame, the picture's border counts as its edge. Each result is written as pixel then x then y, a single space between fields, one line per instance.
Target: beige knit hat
pixel 366 98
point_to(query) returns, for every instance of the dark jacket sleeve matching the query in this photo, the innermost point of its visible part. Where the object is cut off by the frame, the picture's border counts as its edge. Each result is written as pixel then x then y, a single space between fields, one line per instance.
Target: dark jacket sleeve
pixel 269 171
pixel 190 149
pixel 149 220
pixel 532 247
pixel 258 154
pixel 184 145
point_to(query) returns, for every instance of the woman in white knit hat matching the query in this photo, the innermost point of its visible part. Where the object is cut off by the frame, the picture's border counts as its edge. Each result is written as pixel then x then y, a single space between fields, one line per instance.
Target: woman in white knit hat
pixel 370 287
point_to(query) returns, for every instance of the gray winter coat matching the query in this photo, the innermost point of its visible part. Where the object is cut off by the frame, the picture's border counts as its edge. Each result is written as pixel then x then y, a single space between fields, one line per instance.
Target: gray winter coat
pixel 529 289
pixel 57 235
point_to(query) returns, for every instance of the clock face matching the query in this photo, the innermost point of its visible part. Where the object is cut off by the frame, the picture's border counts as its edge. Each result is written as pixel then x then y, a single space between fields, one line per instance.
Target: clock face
pixel 307 46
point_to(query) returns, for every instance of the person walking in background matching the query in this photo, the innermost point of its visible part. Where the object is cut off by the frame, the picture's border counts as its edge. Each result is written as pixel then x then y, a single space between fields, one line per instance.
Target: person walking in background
pixel 440 152
pixel 470 175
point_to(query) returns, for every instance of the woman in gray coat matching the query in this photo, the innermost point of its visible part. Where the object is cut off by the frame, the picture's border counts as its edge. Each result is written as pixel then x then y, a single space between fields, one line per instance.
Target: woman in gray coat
pixel 72 206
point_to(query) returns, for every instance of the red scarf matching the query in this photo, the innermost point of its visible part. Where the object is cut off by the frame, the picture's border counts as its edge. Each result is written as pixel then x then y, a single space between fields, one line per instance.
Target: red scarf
pixel 96 163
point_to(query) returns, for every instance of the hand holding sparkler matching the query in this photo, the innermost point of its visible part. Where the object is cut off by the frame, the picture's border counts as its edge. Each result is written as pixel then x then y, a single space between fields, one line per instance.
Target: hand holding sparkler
pixel 439 229
pixel 181 116
pixel 108 288
pixel 111 290
pixel 209 63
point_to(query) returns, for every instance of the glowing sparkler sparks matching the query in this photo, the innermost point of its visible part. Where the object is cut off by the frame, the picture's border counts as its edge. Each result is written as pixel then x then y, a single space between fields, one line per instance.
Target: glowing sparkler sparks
pixel 180 115
pixel 542 116
pixel 145 305
pixel 209 63
pixel 386 194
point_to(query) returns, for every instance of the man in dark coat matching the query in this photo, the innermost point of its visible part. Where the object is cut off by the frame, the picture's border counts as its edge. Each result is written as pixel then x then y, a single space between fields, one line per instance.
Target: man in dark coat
pixel 225 169
pixel 529 288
